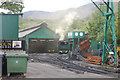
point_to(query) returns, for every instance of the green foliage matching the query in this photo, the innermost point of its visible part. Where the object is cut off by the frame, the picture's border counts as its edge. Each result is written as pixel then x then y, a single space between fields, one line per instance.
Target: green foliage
pixel 117 24
pixel 97 24
pixel 13 7
pixel 2 13
pixel 78 25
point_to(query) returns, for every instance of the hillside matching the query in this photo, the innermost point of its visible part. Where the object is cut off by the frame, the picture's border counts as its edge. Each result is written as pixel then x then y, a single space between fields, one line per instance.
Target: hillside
pixel 81 12
pixel 73 19
pixel 62 19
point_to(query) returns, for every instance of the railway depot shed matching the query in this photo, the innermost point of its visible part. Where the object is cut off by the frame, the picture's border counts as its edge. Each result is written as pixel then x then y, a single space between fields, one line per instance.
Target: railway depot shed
pixel 40 39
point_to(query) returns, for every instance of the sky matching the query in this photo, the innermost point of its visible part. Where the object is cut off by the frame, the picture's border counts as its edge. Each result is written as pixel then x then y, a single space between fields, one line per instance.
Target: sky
pixel 52 5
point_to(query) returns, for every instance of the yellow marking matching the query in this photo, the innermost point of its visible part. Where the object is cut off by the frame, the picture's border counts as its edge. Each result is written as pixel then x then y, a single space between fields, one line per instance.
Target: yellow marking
pixel 48 50
pixel 0 44
pixel 9 44
pixel 11 50
pixel 76 57
pixel 109 56
pixel 4 44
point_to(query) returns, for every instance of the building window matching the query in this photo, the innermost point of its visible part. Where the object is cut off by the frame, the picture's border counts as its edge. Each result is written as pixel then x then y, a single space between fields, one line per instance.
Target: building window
pixel 42 40
pixel 51 40
pixel 33 40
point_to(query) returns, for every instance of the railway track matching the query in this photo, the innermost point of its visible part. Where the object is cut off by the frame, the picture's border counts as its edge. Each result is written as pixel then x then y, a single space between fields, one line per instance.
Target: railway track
pixel 64 62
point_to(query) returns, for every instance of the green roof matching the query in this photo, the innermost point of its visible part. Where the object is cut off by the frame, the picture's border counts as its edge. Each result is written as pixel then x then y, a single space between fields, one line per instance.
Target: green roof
pixel 38 31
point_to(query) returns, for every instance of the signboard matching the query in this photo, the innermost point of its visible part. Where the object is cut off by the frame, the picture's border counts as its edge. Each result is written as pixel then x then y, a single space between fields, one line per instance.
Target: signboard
pixel 12 45
pixel 16 44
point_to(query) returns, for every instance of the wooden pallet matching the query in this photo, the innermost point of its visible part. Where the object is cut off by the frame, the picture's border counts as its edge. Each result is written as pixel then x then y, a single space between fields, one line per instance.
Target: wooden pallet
pixel 86 54
pixel 93 60
pixel 98 63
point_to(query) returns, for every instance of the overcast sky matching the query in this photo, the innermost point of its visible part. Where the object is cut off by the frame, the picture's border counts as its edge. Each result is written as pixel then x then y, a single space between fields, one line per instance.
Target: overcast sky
pixel 53 5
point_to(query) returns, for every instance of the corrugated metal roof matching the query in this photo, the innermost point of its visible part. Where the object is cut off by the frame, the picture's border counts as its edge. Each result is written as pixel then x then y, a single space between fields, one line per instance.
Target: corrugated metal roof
pixel 27 31
pixel 24 33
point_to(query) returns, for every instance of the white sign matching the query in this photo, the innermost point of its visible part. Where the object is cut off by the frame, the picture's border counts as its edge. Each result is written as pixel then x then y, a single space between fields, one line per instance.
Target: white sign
pixel 16 44
pixel 111 53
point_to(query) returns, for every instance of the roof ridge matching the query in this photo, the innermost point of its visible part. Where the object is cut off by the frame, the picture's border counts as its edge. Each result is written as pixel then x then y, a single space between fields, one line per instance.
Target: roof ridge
pixel 32 27
pixel 30 30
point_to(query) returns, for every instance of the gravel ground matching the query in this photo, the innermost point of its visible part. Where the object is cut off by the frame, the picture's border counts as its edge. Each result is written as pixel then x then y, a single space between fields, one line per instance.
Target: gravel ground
pixel 76 66
pixel 59 66
pixel 44 70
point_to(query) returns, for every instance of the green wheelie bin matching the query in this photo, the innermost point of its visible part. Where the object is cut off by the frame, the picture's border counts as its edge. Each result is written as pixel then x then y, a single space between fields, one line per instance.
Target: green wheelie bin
pixel 16 63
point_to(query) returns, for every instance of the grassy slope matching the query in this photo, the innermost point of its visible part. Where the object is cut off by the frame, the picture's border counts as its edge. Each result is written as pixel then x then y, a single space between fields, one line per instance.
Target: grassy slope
pixel 24 23
pixel 53 24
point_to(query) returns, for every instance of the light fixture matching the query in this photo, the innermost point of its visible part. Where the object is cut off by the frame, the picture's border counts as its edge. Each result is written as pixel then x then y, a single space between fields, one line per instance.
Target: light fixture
pixel 76 33
pixel 81 33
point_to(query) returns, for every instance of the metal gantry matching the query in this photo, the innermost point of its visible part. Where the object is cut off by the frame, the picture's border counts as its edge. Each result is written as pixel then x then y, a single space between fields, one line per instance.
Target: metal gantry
pixel 109 50
pixel 100 28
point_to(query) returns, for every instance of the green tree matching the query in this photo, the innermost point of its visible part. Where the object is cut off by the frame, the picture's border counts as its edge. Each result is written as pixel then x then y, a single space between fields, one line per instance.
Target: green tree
pixel 117 23
pixel 78 25
pixel 96 26
pixel 13 7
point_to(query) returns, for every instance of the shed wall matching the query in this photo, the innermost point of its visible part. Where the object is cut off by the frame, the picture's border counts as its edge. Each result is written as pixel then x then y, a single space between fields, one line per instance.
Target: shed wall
pixel 42 40
pixel 9 26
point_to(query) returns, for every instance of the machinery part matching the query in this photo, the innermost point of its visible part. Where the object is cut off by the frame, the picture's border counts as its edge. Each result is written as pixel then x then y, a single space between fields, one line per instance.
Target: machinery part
pixel 84 45
pixel 86 55
pixel 97 52
pixel 75 37
pixel 109 25
pixel 76 55
pixel 118 51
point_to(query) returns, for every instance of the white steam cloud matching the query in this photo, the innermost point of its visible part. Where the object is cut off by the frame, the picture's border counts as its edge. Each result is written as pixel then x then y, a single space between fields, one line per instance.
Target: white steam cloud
pixel 65 23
